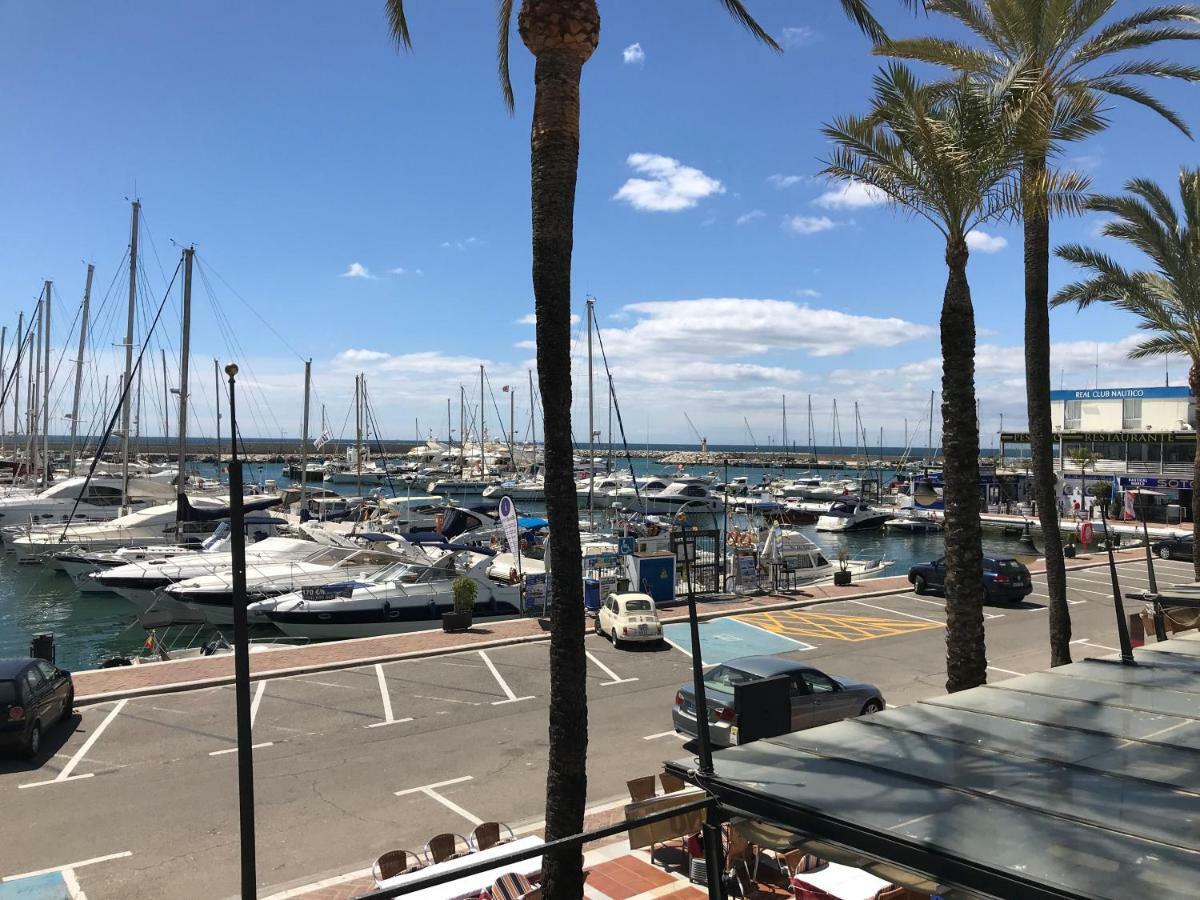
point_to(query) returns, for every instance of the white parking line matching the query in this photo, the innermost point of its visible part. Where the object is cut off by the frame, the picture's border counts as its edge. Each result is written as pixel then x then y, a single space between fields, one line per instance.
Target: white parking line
pixel 940 605
pixel 1005 671
pixel 74 865
pixel 616 679
pixel 664 734
pixel 254 704
pixel 430 790
pixel 388 718
pixel 508 692
pixel 65 774
pixel 1097 646
pixel 898 613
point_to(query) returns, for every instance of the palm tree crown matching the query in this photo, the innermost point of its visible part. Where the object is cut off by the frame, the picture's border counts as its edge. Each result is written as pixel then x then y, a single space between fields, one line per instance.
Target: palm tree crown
pixel 1166 299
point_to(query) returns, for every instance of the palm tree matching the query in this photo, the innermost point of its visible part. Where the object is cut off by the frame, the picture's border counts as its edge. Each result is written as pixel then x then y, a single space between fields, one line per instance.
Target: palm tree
pixel 1167 298
pixel 944 154
pixel 561 35
pixel 1064 42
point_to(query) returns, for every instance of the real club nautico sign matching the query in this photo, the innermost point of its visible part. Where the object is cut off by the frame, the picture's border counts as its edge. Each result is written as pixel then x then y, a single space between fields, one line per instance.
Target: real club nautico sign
pixel 1130 393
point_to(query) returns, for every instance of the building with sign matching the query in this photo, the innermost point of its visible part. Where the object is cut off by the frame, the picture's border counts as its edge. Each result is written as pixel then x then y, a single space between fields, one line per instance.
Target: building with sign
pixel 1143 437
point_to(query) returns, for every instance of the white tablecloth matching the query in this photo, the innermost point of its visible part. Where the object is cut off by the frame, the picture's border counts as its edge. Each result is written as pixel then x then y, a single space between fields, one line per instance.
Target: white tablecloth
pixel 470 884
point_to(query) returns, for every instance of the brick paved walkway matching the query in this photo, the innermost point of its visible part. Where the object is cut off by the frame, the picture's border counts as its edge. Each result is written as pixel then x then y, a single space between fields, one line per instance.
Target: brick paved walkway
pixel 99 684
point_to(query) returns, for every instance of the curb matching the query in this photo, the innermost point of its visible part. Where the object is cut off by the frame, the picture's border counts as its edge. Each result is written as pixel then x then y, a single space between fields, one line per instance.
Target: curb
pixel 332 665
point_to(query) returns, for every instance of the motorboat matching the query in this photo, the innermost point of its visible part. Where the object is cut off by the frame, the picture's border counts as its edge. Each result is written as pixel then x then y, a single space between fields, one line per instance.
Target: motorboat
pixel 851 515
pixel 804 561
pixel 670 499
pixel 462 485
pixel 212 594
pixel 527 489
pixel 913 522
pixel 80 499
pixel 81 565
pixel 154 525
pixel 801 487
pixel 832 490
pixel 403 597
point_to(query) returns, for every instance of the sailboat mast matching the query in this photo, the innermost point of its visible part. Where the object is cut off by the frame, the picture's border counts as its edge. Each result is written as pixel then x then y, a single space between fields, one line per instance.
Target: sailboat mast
pixel 449 430
pixel 812 434
pixel 608 434
pixel 532 416
pixel 591 426
pixel 83 327
pixel 358 432
pixel 512 431
pixel 46 395
pixel 930 448
pixel 217 400
pixel 304 435
pixel 166 401
pixel 17 390
pixel 482 429
pixel 462 433
pixel 127 381
pixel 185 342
pixel 785 437
pixel 3 394
pixel 35 374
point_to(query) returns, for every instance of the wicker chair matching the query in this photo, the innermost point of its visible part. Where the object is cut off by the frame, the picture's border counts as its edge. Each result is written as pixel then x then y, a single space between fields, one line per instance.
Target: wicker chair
pixel 514 886
pixel 442 847
pixel 393 863
pixel 487 835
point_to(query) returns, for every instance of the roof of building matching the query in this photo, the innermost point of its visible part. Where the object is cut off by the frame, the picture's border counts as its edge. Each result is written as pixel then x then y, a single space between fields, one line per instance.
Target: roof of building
pixel 1083 781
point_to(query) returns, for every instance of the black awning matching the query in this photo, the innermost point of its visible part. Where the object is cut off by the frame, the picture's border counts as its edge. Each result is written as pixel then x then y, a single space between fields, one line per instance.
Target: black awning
pixel 1079 782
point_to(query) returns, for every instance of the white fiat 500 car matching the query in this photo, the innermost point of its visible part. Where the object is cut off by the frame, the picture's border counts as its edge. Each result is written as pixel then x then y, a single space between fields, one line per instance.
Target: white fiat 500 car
pixel 629 617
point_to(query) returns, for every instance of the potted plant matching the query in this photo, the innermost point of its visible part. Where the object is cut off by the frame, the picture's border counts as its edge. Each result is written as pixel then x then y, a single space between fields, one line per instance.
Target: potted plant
pixel 841 577
pixel 465 590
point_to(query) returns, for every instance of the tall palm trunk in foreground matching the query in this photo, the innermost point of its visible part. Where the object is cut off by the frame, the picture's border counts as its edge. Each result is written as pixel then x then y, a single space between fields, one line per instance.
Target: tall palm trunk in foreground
pixel 561 36
pixel 966 659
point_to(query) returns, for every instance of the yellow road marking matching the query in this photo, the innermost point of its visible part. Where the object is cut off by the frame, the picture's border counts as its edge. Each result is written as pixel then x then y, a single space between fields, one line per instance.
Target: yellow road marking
pixel 834 626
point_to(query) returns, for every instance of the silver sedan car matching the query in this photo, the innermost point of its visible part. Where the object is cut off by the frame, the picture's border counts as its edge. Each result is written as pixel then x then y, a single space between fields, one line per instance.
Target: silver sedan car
pixel 817 698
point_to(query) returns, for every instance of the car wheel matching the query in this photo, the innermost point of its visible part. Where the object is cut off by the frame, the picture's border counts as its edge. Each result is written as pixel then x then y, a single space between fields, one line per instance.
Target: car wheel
pixel 69 706
pixel 33 741
pixel 919 585
pixel 1165 552
pixel 596 626
pixel 871 706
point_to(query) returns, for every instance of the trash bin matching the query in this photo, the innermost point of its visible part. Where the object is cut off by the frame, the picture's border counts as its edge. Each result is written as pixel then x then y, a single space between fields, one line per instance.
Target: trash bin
pixel 42 647
pixel 591 594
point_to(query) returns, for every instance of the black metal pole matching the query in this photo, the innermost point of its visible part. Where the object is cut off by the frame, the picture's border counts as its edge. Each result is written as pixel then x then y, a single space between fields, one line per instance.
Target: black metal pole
pixel 1118 604
pixel 241 652
pixel 1160 627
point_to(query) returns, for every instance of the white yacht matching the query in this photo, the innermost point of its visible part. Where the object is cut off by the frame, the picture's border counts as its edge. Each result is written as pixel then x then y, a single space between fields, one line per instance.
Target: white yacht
pixel 805 561
pixel 80 564
pixel 97 500
pixel 461 485
pixel 213 594
pixel 851 515
pixel 528 489
pixel 403 597
pixel 669 499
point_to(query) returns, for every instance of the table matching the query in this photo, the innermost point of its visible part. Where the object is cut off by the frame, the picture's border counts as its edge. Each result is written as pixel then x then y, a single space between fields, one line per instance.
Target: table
pixel 470 884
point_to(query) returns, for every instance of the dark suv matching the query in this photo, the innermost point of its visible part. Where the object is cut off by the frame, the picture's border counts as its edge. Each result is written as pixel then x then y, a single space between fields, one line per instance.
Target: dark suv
pixel 1004 578
pixel 33 696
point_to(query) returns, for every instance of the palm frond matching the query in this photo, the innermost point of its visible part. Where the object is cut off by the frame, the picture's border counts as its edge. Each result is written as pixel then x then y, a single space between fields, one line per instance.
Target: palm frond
pixel 739 12
pixel 971 15
pixel 1156 198
pixel 1132 92
pixel 1165 345
pixel 1111 38
pixel 398 24
pixel 1152 68
pixel 859 12
pixel 938 52
pixel 504 10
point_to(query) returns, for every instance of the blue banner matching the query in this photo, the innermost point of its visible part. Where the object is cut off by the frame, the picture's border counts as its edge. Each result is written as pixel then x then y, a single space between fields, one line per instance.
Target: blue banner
pixel 1130 393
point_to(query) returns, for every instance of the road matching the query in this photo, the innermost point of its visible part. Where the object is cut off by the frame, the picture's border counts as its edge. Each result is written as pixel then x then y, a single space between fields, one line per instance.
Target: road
pixel 139 799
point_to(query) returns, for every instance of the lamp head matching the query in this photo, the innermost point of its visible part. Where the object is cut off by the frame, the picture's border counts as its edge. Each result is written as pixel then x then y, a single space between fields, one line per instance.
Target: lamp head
pixel 231 370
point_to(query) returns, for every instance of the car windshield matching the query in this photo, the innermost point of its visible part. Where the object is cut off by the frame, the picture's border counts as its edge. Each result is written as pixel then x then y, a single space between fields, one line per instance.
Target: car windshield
pixel 726 678
pixel 8 693
pixel 638 606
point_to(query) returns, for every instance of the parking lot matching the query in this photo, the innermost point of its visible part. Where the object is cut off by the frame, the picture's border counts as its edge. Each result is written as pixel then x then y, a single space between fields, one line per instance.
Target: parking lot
pixel 137 798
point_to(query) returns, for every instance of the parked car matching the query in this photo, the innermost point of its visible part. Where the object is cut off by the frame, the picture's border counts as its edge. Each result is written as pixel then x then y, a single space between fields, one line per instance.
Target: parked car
pixel 629 617
pixel 816 698
pixel 1004 578
pixel 1177 546
pixel 33 696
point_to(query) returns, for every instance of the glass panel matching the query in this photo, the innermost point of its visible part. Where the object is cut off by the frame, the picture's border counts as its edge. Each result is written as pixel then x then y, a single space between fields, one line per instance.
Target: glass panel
pixel 1131 413
pixel 1073 414
pixel 724 678
pixel 637 606
pixel 818 683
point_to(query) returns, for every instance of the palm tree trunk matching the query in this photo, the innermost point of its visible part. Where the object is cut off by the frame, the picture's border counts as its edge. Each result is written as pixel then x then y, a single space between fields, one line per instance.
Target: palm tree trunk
pixel 1037 395
pixel 555 162
pixel 1194 384
pixel 966 654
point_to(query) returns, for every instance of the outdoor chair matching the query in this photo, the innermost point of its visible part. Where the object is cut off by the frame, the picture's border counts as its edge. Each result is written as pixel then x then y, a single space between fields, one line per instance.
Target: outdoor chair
pixel 671 783
pixel 796 862
pixel 442 847
pixel 393 863
pixel 514 886
pixel 641 788
pixel 487 835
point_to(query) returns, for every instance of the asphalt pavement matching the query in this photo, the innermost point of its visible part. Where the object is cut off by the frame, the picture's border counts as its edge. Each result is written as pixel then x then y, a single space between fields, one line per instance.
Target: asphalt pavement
pixel 138 798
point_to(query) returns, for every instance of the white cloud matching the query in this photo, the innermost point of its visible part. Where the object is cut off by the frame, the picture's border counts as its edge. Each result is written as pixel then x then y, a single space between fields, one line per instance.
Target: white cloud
pixel 983 242
pixel 400 270
pixel 669 187
pixel 531 319
pixel 750 216
pixel 463 244
pixel 799 36
pixel 851 195
pixel 633 54
pixel 807 224
pixel 782 182
pixel 357 270
pixel 807 292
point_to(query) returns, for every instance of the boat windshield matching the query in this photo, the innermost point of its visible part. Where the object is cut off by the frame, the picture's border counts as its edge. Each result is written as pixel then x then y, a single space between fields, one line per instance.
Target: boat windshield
pixel 410 573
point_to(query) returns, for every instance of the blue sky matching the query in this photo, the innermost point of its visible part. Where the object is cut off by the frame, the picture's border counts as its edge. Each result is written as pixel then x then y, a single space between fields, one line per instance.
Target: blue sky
pixel 291 142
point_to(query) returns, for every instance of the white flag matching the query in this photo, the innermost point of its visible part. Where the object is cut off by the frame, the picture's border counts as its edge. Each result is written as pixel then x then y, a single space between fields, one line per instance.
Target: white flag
pixel 324 438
